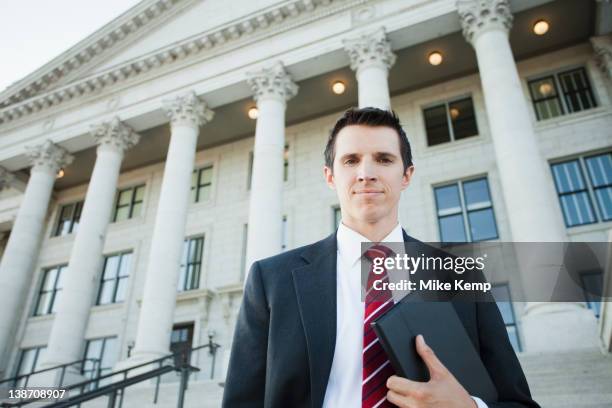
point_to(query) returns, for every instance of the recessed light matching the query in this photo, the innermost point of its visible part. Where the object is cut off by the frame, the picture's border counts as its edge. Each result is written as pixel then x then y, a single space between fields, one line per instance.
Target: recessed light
pixel 338 87
pixel 435 58
pixel 546 89
pixel 541 27
pixel 253 112
pixel 60 173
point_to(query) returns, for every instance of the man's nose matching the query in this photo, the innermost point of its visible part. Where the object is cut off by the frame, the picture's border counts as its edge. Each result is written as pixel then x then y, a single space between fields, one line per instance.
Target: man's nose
pixel 366 171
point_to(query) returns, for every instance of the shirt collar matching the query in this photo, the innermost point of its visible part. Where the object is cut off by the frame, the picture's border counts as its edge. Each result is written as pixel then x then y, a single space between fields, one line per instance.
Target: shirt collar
pixel 349 242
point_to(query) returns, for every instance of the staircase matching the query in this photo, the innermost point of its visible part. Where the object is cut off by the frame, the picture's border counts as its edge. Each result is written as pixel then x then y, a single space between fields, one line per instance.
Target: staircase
pixel 575 379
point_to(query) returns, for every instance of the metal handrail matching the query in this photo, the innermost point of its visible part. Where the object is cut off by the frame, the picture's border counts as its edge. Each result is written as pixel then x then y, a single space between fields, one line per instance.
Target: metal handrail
pixel 96 361
pixel 181 365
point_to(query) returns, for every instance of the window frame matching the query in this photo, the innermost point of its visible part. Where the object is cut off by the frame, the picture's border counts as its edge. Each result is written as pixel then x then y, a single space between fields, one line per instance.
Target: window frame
pixel 464 211
pixel 22 352
pixel 100 357
pixel 54 292
pixel 449 121
pixel 561 95
pixel 184 266
pixel 585 173
pixel 115 279
pixel 514 323
pixel 75 218
pixel 196 189
pixel 132 203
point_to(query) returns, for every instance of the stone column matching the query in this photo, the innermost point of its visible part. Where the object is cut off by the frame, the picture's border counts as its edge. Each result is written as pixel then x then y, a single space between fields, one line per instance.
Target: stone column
pixel 83 273
pixel 371 58
pixel 533 211
pixel 21 250
pixel 272 88
pixel 187 113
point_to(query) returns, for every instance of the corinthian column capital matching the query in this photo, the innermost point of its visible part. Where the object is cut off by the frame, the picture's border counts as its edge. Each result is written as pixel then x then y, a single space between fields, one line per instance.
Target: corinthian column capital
pixel 188 110
pixel 370 49
pixel 273 82
pixel 114 134
pixel 48 157
pixel 602 46
pixel 478 16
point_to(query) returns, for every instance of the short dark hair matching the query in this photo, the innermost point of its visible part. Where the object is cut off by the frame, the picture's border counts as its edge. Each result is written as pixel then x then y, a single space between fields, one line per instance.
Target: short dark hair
pixel 369 116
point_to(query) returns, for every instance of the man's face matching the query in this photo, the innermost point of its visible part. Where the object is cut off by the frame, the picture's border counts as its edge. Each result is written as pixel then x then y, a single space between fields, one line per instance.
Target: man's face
pixel 368 173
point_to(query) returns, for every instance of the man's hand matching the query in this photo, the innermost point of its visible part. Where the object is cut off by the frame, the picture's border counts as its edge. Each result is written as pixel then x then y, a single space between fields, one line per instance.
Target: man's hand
pixel 442 389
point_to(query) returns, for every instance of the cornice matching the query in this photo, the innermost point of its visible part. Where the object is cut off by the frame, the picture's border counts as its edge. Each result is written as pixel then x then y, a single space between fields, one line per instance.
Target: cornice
pixel 90 50
pixel 238 33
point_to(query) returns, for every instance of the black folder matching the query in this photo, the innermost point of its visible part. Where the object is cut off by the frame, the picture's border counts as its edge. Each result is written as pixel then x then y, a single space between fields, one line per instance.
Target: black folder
pixel 444 333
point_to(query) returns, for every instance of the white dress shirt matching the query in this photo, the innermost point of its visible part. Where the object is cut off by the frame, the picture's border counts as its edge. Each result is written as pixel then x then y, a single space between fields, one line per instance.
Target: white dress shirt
pixel 344 384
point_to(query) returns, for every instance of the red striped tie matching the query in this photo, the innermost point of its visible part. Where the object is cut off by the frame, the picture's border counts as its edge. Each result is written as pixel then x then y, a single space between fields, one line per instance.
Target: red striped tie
pixel 376 366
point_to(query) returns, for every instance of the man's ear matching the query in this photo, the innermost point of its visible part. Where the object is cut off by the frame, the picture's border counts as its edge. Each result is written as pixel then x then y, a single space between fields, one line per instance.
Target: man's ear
pixel 329 177
pixel 407 177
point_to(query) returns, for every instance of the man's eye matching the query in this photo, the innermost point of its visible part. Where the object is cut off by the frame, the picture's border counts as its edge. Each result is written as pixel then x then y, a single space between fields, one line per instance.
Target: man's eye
pixel 350 161
pixel 385 160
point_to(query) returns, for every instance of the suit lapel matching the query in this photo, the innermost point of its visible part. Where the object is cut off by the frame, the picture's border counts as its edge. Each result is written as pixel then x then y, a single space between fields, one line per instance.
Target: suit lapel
pixel 315 287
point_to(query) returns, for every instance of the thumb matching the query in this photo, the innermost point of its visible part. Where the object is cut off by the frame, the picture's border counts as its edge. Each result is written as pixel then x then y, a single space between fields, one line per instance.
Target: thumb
pixel 434 365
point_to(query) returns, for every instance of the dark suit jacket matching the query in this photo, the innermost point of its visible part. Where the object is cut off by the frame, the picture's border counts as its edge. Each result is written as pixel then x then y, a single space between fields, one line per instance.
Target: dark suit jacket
pixel 285 335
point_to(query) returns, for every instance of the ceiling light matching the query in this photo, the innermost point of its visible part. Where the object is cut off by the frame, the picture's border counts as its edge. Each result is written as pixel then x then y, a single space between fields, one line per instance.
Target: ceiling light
pixel 435 58
pixel 60 173
pixel 540 27
pixel 545 89
pixel 338 87
pixel 253 113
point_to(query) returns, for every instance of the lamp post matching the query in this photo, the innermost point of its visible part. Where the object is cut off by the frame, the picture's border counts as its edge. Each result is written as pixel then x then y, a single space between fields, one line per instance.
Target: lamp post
pixel 212 350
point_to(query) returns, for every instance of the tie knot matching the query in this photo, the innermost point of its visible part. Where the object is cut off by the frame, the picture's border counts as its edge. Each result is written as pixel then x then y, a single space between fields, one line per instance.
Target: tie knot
pixel 378 251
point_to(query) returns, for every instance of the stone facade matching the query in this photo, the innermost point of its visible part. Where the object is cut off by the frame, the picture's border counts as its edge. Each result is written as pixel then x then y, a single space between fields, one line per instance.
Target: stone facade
pixel 144 83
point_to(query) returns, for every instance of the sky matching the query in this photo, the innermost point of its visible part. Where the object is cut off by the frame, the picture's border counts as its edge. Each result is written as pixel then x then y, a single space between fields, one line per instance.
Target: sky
pixel 33 32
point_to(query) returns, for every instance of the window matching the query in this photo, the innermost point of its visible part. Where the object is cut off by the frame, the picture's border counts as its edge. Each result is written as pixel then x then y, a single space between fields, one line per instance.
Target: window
pixel 337 217
pixel 201 184
pixel 285 166
pixel 580 183
pixel 501 293
pixel 561 93
pixel 286 163
pixel 29 362
pixel 465 211
pixel 68 219
pixel 104 350
pixel 191 264
pixel 115 275
pixel 450 121
pixel 50 288
pixel 181 340
pixel 250 170
pixel 129 203
pixel 592 285
pixel 284 234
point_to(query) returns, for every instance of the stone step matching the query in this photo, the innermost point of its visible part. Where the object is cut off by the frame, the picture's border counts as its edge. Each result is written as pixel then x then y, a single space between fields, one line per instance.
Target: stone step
pixel 575 379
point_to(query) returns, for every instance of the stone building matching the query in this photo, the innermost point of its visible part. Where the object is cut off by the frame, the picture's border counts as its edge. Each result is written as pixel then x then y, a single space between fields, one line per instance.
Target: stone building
pixel 145 168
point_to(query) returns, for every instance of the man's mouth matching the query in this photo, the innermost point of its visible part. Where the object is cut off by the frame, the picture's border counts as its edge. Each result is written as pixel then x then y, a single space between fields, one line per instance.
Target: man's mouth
pixel 367 192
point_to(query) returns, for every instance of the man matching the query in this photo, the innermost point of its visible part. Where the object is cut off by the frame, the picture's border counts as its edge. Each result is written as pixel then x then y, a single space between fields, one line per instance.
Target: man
pixel 300 338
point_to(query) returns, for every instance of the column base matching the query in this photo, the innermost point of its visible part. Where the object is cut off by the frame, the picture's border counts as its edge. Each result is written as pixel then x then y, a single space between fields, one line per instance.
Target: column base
pixel 550 327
